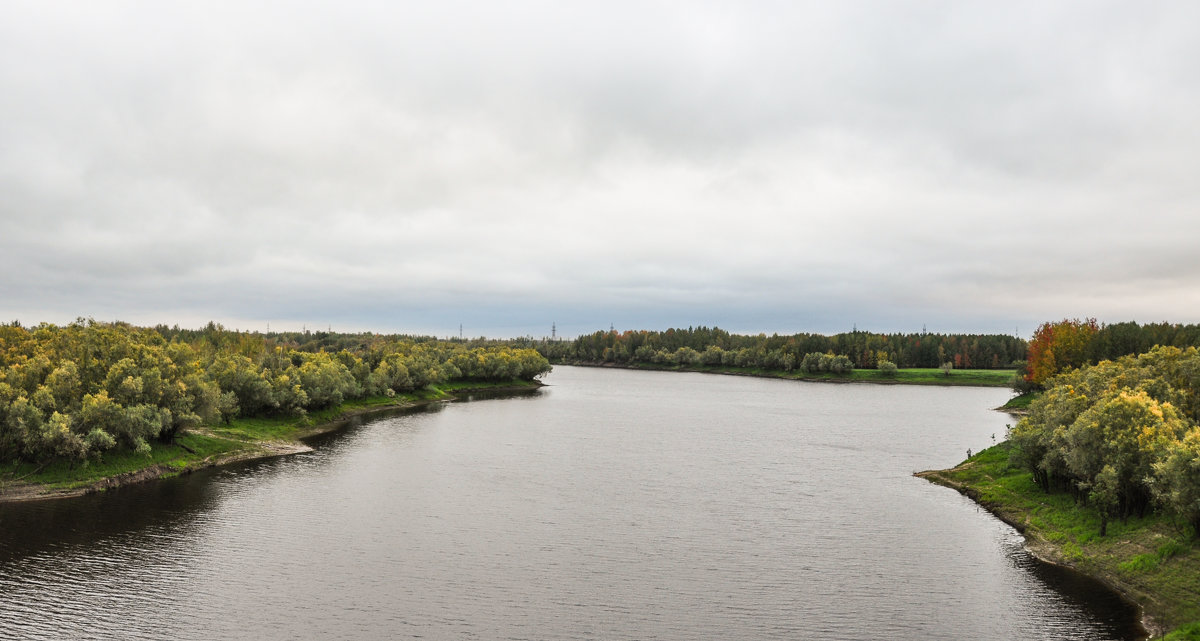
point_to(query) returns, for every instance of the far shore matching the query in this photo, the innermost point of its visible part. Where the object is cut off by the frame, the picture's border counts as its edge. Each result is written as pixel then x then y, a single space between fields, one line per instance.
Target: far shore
pixel 906 376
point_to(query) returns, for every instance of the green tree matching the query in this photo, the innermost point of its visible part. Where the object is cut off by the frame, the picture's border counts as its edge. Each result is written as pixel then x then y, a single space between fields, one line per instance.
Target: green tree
pixel 1112 447
pixel 325 381
pixel 238 374
pixel 228 407
pixel 1176 480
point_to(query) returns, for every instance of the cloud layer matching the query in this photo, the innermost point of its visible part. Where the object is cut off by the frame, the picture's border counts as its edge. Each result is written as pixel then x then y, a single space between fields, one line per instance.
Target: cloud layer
pixel 762 166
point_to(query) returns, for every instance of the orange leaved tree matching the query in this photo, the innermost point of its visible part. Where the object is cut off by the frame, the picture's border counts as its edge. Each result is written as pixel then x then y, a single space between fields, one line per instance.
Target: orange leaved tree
pixel 1059 346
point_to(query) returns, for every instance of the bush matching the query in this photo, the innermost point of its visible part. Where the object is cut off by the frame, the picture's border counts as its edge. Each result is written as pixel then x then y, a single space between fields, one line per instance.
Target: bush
pixel 99 441
pixel 1020 384
pixel 841 364
pixel 887 368
pixel 141 446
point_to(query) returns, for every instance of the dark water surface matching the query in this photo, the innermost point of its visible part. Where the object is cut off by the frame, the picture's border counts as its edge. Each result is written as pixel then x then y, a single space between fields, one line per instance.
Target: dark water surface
pixel 611 505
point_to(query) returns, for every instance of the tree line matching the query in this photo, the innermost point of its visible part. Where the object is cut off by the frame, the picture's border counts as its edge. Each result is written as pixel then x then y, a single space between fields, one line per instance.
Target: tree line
pixel 717 347
pixel 1122 435
pixel 1070 343
pixel 80 390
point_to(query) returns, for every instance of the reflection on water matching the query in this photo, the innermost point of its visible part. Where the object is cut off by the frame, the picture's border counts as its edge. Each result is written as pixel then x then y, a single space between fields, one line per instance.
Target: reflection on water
pixel 80 526
pixel 612 505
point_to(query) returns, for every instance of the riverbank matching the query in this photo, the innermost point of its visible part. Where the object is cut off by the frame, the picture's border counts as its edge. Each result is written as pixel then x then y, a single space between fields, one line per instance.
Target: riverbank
pixel 1151 561
pixel 907 376
pixel 1019 404
pixel 242 439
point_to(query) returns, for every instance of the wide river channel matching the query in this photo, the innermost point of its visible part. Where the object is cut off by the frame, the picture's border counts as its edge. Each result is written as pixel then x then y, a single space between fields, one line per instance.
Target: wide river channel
pixel 611 504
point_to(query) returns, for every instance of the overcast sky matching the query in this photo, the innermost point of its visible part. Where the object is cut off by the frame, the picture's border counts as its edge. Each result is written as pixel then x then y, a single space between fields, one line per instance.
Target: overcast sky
pixel 760 166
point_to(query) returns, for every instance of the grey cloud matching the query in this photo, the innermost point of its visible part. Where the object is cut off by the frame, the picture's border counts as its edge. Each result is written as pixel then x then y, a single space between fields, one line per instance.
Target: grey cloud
pixel 806 165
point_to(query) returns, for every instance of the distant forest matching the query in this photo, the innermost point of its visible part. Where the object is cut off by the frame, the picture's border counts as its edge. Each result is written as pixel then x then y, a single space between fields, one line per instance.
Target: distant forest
pixel 717 347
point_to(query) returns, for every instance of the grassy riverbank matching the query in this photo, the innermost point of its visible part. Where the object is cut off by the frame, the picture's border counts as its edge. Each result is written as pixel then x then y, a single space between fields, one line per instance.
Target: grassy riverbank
pixel 1019 404
pixel 210 445
pixel 907 376
pixel 1153 561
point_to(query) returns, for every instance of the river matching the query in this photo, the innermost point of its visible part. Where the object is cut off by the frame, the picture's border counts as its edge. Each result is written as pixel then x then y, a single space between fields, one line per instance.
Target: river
pixel 612 504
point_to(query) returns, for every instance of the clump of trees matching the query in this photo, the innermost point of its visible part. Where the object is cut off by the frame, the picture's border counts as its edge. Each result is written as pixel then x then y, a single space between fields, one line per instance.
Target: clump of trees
pixel 1070 343
pixel 78 391
pixel 833 363
pixel 1123 435
pixel 1057 347
pixel 717 347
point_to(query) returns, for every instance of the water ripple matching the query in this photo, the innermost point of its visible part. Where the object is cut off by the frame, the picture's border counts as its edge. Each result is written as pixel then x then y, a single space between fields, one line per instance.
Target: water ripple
pixel 618 505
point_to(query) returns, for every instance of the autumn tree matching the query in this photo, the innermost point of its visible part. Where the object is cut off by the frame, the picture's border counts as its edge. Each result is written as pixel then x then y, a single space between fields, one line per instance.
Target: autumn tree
pixel 1058 346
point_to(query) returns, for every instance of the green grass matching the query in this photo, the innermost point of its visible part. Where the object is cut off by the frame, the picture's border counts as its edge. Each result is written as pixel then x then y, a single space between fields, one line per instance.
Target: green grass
pixel 260 428
pixel 1190 632
pixel 292 427
pixel 287 428
pixel 1152 558
pixel 907 376
pixel 933 376
pixel 466 386
pixel 214 441
pixel 64 475
pixel 1020 402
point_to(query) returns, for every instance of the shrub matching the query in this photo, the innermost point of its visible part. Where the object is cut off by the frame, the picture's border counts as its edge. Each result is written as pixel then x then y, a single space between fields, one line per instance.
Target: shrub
pixel 841 364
